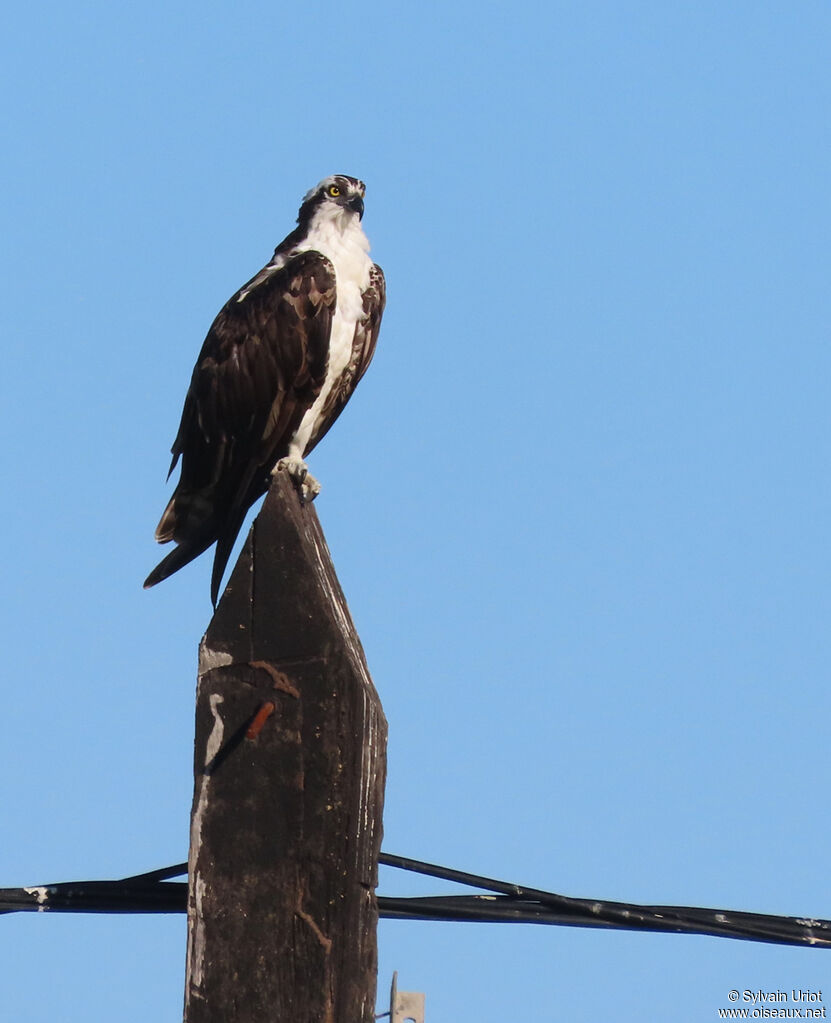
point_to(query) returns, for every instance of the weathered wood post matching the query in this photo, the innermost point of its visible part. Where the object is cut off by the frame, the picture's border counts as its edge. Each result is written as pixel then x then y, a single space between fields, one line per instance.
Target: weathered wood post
pixel 288 797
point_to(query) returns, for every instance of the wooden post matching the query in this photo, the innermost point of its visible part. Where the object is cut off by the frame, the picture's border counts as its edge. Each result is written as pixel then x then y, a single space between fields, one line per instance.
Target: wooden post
pixel 288 798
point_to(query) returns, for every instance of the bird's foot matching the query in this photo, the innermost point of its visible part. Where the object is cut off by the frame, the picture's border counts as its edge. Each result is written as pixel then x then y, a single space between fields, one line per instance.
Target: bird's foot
pixel 307 485
pixel 309 489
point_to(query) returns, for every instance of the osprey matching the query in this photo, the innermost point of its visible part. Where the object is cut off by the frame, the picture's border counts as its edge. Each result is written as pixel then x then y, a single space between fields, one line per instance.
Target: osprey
pixel 279 363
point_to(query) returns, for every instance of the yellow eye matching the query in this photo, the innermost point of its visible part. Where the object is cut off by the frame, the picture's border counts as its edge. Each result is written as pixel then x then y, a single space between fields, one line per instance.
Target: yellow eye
pixel 334 191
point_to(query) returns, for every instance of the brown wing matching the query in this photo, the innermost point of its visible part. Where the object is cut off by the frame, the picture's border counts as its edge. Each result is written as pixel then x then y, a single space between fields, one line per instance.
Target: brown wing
pixel 363 348
pixel 261 367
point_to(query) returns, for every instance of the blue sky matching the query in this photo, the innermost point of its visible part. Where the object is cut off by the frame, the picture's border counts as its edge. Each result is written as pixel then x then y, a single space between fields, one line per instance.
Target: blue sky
pixel 579 505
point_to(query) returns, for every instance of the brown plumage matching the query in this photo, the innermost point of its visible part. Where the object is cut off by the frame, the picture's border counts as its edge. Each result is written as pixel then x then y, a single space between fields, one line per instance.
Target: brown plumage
pixel 262 366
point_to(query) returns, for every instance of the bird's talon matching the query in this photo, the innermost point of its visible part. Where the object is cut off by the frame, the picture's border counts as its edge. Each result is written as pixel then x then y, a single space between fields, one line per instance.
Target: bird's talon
pixel 307 486
pixel 309 489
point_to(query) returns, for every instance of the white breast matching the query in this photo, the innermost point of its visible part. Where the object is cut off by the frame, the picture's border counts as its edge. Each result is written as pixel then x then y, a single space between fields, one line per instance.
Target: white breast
pixel 340 238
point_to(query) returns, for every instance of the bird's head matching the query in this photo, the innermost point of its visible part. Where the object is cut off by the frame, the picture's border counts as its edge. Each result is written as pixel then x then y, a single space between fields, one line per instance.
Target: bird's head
pixel 338 198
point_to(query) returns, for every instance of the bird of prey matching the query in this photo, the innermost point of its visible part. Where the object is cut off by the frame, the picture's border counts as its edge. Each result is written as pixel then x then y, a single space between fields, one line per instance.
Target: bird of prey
pixel 279 363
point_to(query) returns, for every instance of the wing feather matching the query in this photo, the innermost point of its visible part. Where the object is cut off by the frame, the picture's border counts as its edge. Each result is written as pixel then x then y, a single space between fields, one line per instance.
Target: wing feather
pixel 261 366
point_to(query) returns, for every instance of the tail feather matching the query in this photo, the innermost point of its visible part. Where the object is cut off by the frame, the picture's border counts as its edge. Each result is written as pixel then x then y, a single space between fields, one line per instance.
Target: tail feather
pixel 191 548
pixel 167 523
pixel 195 519
pixel 190 519
pixel 178 558
pixel 224 546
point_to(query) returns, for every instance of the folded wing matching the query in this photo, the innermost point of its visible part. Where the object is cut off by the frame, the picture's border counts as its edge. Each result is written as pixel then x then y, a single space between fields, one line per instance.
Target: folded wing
pixel 261 367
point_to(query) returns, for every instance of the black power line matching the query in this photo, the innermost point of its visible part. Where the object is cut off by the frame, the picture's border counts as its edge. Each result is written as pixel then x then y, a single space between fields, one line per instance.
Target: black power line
pixel 505 902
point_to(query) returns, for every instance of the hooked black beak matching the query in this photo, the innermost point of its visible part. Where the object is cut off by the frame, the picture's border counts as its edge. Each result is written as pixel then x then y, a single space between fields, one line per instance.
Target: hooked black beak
pixel 356 204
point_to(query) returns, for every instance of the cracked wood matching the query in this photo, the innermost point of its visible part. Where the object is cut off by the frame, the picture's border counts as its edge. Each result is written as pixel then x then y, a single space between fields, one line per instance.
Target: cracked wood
pixel 286 827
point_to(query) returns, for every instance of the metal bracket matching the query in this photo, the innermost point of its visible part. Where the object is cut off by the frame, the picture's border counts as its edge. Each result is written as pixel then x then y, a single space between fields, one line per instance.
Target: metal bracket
pixel 405 1006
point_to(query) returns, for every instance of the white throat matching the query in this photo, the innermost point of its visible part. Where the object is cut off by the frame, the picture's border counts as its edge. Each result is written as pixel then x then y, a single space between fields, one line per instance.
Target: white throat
pixel 337 234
